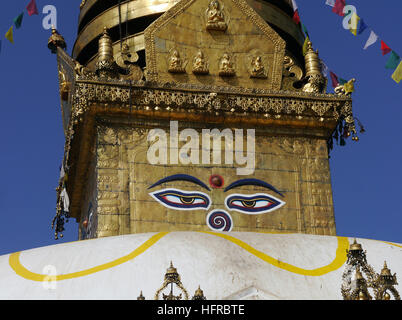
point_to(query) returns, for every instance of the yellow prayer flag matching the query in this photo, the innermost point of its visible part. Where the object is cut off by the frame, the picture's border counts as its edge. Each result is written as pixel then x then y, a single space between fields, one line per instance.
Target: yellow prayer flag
pixel 354 22
pixel 9 35
pixel 397 75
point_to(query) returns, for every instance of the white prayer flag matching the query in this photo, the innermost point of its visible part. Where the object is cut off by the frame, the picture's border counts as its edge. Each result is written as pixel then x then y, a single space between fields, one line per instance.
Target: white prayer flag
pixel 66 200
pixel 330 3
pixel 62 172
pixel 324 69
pixel 371 40
pixel 294 5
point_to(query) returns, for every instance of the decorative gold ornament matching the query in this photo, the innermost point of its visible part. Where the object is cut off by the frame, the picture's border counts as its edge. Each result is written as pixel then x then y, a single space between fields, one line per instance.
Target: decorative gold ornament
pixel 199 295
pixel 226 66
pixel 215 17
pixel 200 65
pixel 345 89
pixel 141 297
pixel 257 68
pixel 379 283
pixel 82 4
pixel 172 278
pixel 175 62
pixel 106 67
pixel 316 82
pixel 56 41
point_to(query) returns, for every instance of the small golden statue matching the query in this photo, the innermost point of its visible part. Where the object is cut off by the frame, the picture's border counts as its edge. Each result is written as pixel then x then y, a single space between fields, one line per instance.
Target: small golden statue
pixel 226 66
pixel 346 89
pixel 175 63
pixel 200 65
pixel 215 17
pixel 257 68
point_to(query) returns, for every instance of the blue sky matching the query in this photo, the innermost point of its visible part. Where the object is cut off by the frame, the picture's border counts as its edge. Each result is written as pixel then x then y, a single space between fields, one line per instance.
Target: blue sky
pixel 366 176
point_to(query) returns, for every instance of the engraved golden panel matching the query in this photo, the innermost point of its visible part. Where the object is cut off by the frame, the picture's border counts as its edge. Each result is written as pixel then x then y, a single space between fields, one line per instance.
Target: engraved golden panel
pixel 183 28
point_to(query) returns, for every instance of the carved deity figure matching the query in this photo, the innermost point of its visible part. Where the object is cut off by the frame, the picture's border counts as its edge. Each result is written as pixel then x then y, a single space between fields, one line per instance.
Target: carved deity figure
pixel 226 66
pixel 257 68
pixel 215 17
pixel 175 63
pixel 200 65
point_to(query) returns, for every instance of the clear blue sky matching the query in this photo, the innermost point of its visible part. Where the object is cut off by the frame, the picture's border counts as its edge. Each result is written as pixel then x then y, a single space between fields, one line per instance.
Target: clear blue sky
pixel 366 176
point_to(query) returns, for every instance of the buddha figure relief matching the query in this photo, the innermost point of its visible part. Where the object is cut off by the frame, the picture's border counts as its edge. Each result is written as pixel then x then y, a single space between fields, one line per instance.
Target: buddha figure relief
pixel 175 62
pixel 226 66
pixel 215 17
pixel 200 65
pixel 257 68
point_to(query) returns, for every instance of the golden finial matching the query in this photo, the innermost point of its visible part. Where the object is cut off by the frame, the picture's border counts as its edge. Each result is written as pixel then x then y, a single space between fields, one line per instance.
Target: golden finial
pixel 199 294
pixel 55 41
pixel 355 246
pixel 141 297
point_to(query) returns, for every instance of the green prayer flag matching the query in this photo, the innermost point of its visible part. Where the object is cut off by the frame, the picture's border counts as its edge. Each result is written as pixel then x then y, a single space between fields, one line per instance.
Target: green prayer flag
pixel 393 61
pixel 305 30
pixel 342 81
pixel 18 20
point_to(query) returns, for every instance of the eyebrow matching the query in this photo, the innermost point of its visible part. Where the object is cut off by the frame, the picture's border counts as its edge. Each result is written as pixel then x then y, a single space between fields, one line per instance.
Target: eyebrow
pixel 252 182
pixel 180 177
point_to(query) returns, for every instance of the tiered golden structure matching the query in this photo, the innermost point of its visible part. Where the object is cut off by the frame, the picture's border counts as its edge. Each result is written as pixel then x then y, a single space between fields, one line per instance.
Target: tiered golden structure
pixel 137 65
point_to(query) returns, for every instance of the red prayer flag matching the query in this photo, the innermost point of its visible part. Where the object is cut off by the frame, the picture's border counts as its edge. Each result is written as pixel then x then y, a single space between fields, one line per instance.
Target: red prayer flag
pixel 334 79
pixel 296 17
pixel 385 49
pixel 338 7
pixel 31 8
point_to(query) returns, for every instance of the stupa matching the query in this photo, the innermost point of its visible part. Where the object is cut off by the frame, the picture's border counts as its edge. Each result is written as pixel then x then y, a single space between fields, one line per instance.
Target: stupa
pixel 196 162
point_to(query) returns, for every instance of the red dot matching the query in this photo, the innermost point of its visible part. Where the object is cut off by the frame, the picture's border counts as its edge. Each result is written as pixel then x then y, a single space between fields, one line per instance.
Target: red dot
pixel 216 181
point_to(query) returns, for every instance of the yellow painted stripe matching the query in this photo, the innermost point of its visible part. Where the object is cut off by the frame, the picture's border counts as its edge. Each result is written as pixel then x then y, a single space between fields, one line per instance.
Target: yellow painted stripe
pixel 19 269
pixel 393 244
pixel 340 257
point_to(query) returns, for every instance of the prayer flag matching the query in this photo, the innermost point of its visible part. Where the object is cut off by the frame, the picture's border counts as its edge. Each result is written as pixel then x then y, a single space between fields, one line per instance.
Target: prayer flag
pixel 9 35
pixel 338 7
pixel 294 4
pixel 384 48
pixel 305 45
pixel 330 3
pixel 342 81
pixel 393 61
pixel 305 30
pixel 31 8
pixel 324 68
pixel 66 200
pixel 334 79
pixel 363 26
pixel 397 75
pixel 371 40
pixel 354 22
pixel 296 17
pixel 18 20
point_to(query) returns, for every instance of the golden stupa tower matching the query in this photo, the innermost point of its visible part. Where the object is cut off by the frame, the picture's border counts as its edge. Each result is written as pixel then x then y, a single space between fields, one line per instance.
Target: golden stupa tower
pixel 146 81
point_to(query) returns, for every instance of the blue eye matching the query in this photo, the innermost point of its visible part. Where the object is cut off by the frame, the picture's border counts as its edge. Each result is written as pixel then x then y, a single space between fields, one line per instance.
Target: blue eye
pixel 253 204
pixel 182 200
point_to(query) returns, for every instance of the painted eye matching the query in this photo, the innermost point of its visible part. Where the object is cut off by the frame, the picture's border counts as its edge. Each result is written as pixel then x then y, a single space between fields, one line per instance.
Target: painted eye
pixel 253 204
pixel 182 200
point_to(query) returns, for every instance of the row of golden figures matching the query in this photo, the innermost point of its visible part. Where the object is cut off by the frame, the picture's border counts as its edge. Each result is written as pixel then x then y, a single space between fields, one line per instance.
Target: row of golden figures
pixel 226 65
pixel 366 279
pixel 171 281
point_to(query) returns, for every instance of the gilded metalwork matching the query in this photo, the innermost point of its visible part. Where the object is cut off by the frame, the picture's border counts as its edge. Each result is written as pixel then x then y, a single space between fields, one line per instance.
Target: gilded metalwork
pixel 316 82
pixel 172 278
pixel 226 68
pixel 200 64
pixel 176 65
pixel 358 289
pixel 345 89
pixel 199 295
pixel 257 68
pixel 56 41
pixel 106 67
pixel 215 17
